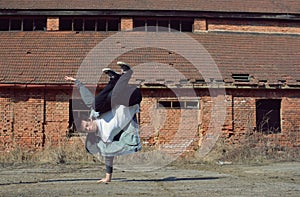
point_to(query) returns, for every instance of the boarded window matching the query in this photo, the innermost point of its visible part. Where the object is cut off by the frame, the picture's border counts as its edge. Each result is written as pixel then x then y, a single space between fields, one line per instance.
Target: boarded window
pixel 268 115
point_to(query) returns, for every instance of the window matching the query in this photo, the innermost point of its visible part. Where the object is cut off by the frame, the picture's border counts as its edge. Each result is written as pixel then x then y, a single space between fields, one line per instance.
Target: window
pixel 163 24
pixel 112 25
pixel 139 25
pixel 39 24
pixel 175 25
pixel 187 25
pixel 4 24
pixel 23 24
pixel 88 24
pixel 28 25
pixel 77 110
pixel 78 24
pixel 268 115
pixel 65 24
pixel 101 25
pixel 175 104
pixel 16 24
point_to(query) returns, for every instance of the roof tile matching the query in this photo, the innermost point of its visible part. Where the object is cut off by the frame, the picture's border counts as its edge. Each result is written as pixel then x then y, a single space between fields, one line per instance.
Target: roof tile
pixel 265 57
pixel 260 6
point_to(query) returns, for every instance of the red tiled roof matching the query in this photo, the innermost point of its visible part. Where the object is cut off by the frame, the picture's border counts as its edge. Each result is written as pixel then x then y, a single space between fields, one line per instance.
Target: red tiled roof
pixel 262 6
pixel 46 57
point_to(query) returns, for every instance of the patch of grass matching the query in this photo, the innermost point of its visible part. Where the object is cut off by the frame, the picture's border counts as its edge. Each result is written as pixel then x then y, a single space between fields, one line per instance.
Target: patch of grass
pixel 64 152
pixel 256 147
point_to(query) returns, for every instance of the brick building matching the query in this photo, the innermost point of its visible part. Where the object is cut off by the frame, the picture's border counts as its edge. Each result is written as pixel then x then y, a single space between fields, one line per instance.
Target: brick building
pixel 206 69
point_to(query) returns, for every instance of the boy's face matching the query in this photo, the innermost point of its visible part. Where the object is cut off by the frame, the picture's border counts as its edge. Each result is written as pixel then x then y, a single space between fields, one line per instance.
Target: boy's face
pixel 89 126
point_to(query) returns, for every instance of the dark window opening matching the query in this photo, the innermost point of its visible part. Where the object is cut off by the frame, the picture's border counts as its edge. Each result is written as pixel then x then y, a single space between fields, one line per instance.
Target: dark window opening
pixel 175 104
pixel 101 25
pixel 39 24
pixel 23 24
pixel 268 116
pixel 151 25
pixel 65 24
pixel 139 25
pixel 16 25
pixel 78 24
pixel 187 25
pixel 28 25
pixel 90 25
pixel 77 111
pixel 112 25
pixel 4 24
pixel 175 25
pixel 164 104
pixel 163 24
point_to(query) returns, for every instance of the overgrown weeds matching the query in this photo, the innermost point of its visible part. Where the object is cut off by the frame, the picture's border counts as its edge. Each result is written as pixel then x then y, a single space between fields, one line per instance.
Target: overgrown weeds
pixel 258 147
pixel 64 152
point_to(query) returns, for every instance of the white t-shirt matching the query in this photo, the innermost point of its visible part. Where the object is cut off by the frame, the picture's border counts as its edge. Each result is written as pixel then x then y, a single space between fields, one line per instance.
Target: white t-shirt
pixel 112 122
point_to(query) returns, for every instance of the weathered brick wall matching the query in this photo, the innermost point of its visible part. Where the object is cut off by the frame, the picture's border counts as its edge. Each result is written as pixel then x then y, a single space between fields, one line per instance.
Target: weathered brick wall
pixel 253 25
pixel 244 116
pixel 200 25
pixel 170 130
pixel 6 119
pixel 52 23
pixel 57 117
pixel 32 118
pixel 126 24
pixel 28 118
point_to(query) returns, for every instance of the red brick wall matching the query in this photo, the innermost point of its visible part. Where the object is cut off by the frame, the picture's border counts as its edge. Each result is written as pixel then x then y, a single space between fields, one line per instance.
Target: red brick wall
pixel 253 25
pixel 32 118
pixel 52 23
pixel 57 116
pixel 126 24
pixel 171 130
pixel 6 119
pixel 244 115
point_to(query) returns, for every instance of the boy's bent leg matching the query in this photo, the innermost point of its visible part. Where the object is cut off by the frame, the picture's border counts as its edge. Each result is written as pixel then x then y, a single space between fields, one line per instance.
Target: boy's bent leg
pixel 102 102
pixel 136 97
pixel 122 91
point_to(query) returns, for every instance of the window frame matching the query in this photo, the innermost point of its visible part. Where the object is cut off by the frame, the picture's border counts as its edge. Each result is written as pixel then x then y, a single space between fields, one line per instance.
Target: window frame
pixel 23 21
pixel 143 24
pixel 178 104
pixel 112 24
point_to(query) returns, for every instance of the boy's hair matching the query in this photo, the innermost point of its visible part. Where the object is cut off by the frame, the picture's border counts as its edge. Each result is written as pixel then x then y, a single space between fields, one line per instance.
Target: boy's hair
pixel 78 123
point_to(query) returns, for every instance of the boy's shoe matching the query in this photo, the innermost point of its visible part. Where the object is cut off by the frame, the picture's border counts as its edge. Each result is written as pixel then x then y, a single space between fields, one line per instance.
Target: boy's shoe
pixel 110 72
pixel 124 66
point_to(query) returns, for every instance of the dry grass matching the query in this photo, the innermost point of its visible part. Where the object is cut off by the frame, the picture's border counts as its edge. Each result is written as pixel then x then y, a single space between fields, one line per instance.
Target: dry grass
pixel 256 147
pixel 253 147
pixel 64 152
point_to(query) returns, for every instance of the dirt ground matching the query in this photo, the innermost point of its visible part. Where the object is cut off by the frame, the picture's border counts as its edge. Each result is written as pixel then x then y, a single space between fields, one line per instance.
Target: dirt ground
pixel 193 179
